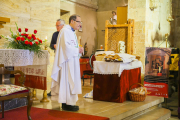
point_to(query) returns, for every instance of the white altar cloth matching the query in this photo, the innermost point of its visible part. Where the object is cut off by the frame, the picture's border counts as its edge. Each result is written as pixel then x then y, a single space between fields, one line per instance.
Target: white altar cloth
pixel 102 67
pixel 21 57
pixel 33 65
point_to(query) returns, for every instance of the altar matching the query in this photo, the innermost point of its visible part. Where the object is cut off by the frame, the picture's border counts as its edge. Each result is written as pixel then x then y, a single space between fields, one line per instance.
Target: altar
pixel 33 65
pixel 112 80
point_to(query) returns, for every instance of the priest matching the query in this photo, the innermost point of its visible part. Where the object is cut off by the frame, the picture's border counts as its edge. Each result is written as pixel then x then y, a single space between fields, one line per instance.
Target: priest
pixel 66 79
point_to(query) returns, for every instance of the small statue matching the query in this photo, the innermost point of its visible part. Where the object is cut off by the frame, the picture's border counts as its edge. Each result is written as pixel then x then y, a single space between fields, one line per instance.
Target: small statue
pixel 121 47
pixel 85 51
pixel 114 18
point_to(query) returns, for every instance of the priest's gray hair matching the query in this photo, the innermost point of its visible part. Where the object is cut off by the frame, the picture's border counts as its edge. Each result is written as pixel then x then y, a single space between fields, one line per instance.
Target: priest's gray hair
pixel 62 21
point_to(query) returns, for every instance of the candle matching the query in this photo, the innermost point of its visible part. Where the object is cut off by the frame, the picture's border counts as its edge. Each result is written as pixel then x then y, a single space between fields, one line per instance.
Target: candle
pixel 79 40
pixel 101 46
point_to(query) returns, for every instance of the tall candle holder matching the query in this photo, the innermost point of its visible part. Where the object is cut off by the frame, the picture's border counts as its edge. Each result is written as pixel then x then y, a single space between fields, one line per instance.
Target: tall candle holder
pixel 170 18
pixel 166 36
pixel 152 4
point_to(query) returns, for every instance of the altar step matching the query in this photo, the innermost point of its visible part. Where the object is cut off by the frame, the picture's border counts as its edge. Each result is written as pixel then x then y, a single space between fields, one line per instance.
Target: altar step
pixel 157 114
pixel 150 109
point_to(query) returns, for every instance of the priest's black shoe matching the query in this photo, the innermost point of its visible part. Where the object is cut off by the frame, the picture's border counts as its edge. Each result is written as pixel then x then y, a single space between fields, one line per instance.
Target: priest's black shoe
pixel 70 107
pixel 49 94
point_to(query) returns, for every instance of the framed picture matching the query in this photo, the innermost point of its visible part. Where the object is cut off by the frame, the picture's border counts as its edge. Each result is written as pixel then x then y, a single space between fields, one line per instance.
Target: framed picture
pixel 80 29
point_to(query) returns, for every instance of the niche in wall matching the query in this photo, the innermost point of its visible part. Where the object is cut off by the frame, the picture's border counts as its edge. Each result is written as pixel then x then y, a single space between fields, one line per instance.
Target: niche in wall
pixel 64 14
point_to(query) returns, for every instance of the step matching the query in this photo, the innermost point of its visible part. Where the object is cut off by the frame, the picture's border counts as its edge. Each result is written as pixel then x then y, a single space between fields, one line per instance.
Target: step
pixel 119 111
pixel 136 107
pixel 157 114
pixel 131 117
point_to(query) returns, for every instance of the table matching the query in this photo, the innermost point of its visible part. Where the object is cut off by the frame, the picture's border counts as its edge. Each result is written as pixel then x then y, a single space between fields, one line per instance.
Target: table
pixel 33 65
pixel 111 85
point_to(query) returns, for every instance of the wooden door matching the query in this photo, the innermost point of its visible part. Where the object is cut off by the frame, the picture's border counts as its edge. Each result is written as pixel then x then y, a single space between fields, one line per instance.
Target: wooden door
pixel 122 15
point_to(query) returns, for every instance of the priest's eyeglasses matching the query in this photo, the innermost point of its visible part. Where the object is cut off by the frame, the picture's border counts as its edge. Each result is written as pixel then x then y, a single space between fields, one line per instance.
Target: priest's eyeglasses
pixel 79 22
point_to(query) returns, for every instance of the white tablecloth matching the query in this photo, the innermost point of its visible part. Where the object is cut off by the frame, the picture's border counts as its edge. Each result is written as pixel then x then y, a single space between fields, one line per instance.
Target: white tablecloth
pixel 102 67
pixel 20 57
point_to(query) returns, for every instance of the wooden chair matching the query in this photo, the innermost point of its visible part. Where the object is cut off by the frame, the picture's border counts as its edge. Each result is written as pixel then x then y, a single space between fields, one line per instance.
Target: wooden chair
pixel 17 94
pixel 89 72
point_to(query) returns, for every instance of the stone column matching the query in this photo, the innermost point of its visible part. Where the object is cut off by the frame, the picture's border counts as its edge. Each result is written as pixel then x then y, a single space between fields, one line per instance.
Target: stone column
pixel 137 11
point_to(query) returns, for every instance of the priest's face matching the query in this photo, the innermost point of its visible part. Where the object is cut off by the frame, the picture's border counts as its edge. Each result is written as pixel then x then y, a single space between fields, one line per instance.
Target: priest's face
pixel 76 24
pixel 59 26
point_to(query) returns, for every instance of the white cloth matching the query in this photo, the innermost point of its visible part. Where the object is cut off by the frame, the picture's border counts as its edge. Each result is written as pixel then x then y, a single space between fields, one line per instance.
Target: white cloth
pixel 66 80
pixel 21 57
pixel 89 95
pixel 101 67
pixel 127 58
pixel 106 52
pixel 35 70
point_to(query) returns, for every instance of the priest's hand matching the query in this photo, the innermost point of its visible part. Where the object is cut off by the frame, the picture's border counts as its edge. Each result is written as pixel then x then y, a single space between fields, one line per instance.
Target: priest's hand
pixel 81 49
pixel 55 46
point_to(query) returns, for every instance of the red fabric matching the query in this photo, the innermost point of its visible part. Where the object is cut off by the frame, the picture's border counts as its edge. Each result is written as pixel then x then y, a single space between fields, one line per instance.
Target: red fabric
pixel 23 91
pixel 31 81
pixel 157 89
pixel 113 88
pixel 46 114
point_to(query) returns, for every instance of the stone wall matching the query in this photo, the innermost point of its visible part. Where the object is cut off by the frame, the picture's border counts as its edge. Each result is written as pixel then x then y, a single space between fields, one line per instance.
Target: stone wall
pixel 32 14
pixel 42 15
pixel 157 25
pixel 137 11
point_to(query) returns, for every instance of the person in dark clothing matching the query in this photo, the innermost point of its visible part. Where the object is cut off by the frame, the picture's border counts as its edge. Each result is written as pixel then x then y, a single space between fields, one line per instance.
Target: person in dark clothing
pixel 59 25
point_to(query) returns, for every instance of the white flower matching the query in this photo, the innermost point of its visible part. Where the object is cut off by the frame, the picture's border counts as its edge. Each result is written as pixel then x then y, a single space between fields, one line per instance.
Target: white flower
pixel 10 39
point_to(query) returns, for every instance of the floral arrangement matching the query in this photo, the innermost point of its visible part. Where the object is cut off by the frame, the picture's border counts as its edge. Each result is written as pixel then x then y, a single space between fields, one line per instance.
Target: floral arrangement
pixel 23 40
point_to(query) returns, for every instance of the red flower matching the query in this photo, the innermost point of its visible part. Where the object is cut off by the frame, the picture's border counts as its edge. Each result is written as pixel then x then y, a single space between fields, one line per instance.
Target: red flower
pixel 22 39
pixel 30 43
pixel 35 31
pixel 18 38
pixel 40 41
pixel 26 35
pixel 33 36
pixel 22 34
pixel 19 29
pixel 26 42
pixel 36 43
pixel 26 30
pixel 29 37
